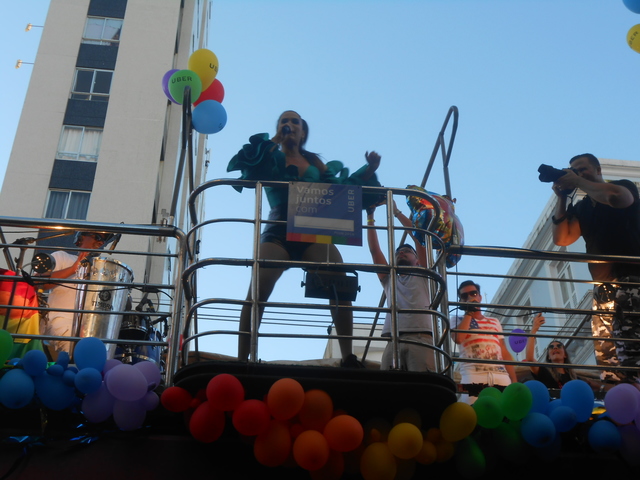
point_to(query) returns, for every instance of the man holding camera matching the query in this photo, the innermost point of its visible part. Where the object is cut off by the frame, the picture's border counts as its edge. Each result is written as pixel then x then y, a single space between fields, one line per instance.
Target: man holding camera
pixel 487 344
pixel 608 219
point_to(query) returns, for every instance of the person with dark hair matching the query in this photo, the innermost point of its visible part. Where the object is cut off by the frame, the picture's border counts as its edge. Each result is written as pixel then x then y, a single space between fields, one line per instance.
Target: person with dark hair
pixel 415 330
pixel 608 219
pixel 487 344
pixel 555 353
pixel 284 158
pixel 62 295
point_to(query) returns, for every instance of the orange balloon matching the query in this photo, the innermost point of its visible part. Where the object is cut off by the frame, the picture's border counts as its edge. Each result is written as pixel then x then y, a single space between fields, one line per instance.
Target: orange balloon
pixel 332 470
pixel 206 424
pixel 378 463
pixel 317 410
pixel 405 441
pixel 433 435
pixel 272 447
pixel 225 392
pixel 376 430
pixel 311 450
pixel 444 450
pixel 285 398
pixel 344 433
pixel 251 417
pixel 428 454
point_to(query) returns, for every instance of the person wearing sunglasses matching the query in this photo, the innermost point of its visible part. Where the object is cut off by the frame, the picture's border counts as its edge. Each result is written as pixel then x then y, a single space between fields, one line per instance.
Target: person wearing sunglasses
pixel 487 344
pixel 555 353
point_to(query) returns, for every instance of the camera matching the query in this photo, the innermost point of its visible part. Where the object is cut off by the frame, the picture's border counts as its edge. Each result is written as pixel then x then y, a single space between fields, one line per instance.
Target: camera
pixel 549 174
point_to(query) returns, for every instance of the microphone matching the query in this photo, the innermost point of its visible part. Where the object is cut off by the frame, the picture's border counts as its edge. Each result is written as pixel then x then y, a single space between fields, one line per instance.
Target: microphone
pixel 286 130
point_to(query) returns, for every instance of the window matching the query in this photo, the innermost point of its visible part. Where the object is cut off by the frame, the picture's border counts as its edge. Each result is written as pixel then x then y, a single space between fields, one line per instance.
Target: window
pixel 92 85
pixel 79 143
pixel 67 204
pixel 102 31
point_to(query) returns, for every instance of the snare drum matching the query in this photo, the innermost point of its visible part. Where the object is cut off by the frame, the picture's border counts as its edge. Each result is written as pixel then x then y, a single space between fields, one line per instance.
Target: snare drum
pixel 135 326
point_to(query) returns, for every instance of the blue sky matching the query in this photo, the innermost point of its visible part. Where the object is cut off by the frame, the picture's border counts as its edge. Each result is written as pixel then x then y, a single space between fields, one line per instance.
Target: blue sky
pixel 535 81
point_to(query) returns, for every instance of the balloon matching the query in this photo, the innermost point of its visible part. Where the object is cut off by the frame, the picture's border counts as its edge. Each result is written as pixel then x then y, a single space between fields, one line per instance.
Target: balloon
pixel 87 380
pixel 622 403
pixel 540 396
pixel 125 382
pixel 165 83
pixel 377 462
pixel 108 365
pixel 63 360
pixel 53 393
pixel 90 352
pixel 209 117
pixel 251 417
pixel 428 453
pixel 176 399
pixel 128 415
pixel 69 377
pixel 98 406
pixel 516 401
pixel 630 444
pixel 56 370
pixel 563 418
pixel 205 64
pixel 633 38
pixel 311 450
pixel 6 345
pixel 34 362
pixel 405 441
pixel 633 5
pixel 444 450
pixel 225 392
pixel 344 433
pixel 509 443
pixel 517 343
pixel 408 415
pixel 285 398
pixel 376 430
pixel 457 421
pixel 604 436
pixel 150 401
pixel 215 91
pixel 206 424
pixel 489 412
pixel 470 461
pixel 578 395
pixel 316 410
pixel 538 430
pixel 272 447
pixel 180 80
pixel 332 470
pixel 151 372
pixel 16 389
pixel 490 392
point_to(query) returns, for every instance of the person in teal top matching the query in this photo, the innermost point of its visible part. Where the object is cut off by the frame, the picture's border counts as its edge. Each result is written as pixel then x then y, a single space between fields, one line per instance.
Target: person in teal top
pixel 284 158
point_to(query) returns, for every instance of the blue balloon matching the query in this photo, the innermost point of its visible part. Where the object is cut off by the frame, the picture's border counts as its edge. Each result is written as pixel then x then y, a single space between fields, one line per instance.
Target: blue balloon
pixel 538 430
pixel 53 393
pixel 34 362
pixel 578 396
pixel 69 378
pixel 56 370
pixel 553 404
pixel 517 343
pixel 633 5
pixel 209 117
pixel 564 418
pixel 16 389
pixel 540 394
pixel 63 359
pixel 88 380
pixel 90 352
pixel 604 437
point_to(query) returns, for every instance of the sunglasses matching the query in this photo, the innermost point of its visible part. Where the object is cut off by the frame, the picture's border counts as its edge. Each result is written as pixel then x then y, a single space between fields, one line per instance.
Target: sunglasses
pixel 555 345
pixel 472 294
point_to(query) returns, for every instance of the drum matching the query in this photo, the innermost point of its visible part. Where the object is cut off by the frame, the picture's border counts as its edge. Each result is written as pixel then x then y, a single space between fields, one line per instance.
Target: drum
pixel 135 326
pixel 105 300
pixel 133 354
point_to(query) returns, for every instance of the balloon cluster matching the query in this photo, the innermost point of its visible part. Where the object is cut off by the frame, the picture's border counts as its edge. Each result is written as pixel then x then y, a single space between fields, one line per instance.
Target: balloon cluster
pixel 207 93
pixel 633 36
pixel 99 387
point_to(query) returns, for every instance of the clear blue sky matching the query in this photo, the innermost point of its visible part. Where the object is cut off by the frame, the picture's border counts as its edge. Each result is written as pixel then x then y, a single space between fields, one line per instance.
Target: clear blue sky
pixel 536 81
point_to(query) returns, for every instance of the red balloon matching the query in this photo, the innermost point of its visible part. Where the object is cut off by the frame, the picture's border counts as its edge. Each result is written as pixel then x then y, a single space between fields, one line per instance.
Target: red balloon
pixel 273 446
pixel 310 450
pixel 206 424
pixel 225 392
pixel 176 399
pixel 215 91
pixel 251 417
pixel 285 398
pixel 317 410
pixel 344 433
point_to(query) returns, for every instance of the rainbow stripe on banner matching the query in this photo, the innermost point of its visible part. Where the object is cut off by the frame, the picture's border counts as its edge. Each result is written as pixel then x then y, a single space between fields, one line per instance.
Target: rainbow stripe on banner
pixel 335 239
pixel 23 319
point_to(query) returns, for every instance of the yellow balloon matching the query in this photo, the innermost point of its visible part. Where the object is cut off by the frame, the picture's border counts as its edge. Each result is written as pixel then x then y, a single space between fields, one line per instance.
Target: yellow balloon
pixel 457 421
pixel 205 63
pixel 377 463
pixel 405 441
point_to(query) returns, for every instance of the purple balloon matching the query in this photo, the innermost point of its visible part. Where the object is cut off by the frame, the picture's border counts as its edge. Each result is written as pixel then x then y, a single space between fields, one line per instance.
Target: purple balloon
pixel 128 415
pixel 151 372
pixel 127 383
pixel 16 389
pixel 150 401
pixel 165 83
pixel 517 344
pixel 88 380
pixel 623 403
pixel 98 406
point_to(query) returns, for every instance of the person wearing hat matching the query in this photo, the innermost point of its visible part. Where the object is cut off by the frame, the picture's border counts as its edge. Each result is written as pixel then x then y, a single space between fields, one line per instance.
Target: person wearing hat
pixel 415 330
pixel 63 295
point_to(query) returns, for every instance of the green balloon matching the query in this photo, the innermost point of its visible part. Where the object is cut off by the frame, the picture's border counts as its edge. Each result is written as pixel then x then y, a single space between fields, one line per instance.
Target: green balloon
pixel 509 444
pixel 6 345
pixel 516 401
pixel 470 460
pixel 181 79
pixel 490 392
pixel 489 411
